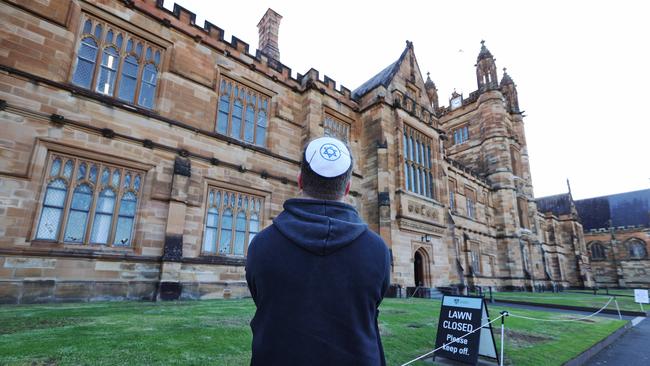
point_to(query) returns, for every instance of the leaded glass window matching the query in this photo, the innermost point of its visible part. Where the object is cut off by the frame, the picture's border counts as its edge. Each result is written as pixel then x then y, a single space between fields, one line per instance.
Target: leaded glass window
pixel 232 220
pixel 112 67
pixel 337 129
pixel 242 113
pixel 461 135
pixel 637 249
pixel 53 204
pixel 597 251
pixel 78 216
pixel 418 167
pixel 101 210
pixel 470 203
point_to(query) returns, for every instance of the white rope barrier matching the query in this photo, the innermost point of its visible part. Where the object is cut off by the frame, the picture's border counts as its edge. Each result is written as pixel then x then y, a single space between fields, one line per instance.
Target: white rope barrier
pixel 453 341
pixel 563 320
pixel 502 329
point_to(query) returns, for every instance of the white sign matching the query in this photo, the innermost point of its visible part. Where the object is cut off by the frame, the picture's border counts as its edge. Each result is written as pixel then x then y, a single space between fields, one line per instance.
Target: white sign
pixel 641 296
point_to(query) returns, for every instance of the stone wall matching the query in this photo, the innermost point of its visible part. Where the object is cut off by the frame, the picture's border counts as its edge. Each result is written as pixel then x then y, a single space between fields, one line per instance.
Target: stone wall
pixel 618 268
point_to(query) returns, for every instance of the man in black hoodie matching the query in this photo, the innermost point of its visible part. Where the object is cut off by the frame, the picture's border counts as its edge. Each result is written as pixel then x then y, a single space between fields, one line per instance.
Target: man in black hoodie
pixel 318 274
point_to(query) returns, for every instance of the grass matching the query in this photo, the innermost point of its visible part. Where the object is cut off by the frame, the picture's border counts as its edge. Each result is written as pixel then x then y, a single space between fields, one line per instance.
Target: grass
pixel 216 332
pixel 571 298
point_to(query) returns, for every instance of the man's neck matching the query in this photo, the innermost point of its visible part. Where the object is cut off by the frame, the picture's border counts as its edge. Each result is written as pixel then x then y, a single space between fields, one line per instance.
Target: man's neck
pixel 306 196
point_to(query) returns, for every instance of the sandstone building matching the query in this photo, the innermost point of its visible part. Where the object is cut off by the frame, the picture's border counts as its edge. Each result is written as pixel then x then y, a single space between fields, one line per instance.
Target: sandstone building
pixel 617 235
pixel 140 153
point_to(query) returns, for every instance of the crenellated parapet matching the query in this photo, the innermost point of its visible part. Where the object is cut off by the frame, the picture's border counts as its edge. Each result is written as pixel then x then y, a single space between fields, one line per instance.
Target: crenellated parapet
pixel 184 21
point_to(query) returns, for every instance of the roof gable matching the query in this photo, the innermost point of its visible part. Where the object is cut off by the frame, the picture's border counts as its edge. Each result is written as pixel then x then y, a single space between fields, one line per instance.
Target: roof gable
pixel 397 75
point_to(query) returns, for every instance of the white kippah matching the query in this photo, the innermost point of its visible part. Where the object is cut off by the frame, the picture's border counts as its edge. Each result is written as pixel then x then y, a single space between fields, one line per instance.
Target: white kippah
pixel 328 157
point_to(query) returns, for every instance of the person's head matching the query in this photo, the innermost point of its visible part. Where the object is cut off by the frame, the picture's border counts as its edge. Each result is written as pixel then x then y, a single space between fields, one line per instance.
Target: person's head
pixel 325 169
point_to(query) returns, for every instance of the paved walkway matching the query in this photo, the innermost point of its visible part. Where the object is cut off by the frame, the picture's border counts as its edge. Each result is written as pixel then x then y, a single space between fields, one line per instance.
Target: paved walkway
pixel 632 349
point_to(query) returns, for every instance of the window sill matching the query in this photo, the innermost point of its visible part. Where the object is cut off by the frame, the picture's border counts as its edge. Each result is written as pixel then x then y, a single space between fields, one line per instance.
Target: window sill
pixel 80 247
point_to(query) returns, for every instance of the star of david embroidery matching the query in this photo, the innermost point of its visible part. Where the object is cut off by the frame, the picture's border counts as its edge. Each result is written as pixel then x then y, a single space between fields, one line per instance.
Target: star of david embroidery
pixel 329 152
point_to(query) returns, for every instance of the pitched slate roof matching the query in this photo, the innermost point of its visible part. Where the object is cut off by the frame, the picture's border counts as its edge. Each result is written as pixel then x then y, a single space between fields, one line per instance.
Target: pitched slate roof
pixel 559 204
pixel 624 209
pixel 384 77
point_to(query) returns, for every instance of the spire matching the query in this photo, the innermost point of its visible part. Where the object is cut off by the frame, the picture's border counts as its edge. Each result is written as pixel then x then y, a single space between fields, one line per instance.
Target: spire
pixel 506 80
pixel 432 92
pixel 429 83
pixel 486 70
pixel 484 53
pixel 509 90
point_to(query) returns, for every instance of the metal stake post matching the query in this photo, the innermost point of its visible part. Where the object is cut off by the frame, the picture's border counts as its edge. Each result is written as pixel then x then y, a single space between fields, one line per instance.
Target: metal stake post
pixel 503 319
pixel 617 309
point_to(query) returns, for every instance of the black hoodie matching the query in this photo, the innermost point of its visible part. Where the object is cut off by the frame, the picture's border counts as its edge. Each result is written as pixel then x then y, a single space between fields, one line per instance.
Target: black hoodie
pixel 317 276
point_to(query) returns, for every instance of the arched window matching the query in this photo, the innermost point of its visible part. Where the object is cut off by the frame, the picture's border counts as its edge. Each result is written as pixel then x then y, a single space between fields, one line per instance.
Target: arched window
pixel 226 232
pixel 249 124
pixel 242 113
pixel 224 108
pixel 254 227
pixel 52 212
pixel 240 233
pixel 103 217
pixel 108 71
pixel 417 162
pixel 125 219
pixel 148 86
pixel 92 205
pixel 86 58
pixel 637 249
pixel 129 80
pixel 82 199
pixel 597 251
pixel 103 76
pixel 212 222
pixel 260 130
pixel 237 109
pixel 232 224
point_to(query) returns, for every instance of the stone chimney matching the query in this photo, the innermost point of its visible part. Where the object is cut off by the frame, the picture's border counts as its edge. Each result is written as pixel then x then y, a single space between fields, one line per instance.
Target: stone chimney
pixel 269 28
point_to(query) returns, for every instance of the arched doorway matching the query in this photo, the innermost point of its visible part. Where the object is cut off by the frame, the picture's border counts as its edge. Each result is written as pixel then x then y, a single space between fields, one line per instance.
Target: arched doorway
pixel 421 268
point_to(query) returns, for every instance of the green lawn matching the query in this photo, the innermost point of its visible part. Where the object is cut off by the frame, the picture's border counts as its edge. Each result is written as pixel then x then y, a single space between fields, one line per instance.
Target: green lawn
pixel 217 333
pixel 570 298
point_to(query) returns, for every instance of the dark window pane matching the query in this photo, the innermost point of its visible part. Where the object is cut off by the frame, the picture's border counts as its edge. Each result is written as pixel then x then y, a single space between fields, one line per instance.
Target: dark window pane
pixel 88 25
pixel 86 58
pixel 148 86
pixel 222 118
pixel 118 41
pixel 98 31
pixel 128 82
pixel 56 167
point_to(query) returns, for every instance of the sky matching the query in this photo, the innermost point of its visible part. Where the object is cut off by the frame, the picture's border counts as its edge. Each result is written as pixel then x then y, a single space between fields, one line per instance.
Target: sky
pixel 582 68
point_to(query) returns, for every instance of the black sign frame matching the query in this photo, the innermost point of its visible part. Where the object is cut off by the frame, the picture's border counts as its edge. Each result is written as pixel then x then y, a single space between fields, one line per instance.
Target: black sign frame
pixel 460 315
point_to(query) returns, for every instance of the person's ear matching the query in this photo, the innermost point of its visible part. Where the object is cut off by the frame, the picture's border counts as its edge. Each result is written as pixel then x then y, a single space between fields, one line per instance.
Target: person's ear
pixel 299 180
pixel 347 189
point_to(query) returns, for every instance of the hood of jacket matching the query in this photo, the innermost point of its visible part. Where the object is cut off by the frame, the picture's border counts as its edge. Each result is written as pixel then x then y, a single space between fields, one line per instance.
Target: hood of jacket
pixel 319 226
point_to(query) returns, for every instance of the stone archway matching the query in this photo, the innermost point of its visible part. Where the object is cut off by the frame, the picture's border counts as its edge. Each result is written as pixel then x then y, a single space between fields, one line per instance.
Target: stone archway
pixel 421 268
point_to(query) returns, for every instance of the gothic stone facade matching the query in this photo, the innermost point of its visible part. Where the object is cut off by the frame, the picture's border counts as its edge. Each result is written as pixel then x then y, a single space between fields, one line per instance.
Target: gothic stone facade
pixel 140 153
pixel 617 233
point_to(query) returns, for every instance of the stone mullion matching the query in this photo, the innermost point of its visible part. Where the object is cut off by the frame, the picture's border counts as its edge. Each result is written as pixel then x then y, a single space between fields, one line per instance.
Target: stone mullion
pixel 97 188
pixel 248 223
pixel 68 198
pixel 219 222
pixel 116 209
